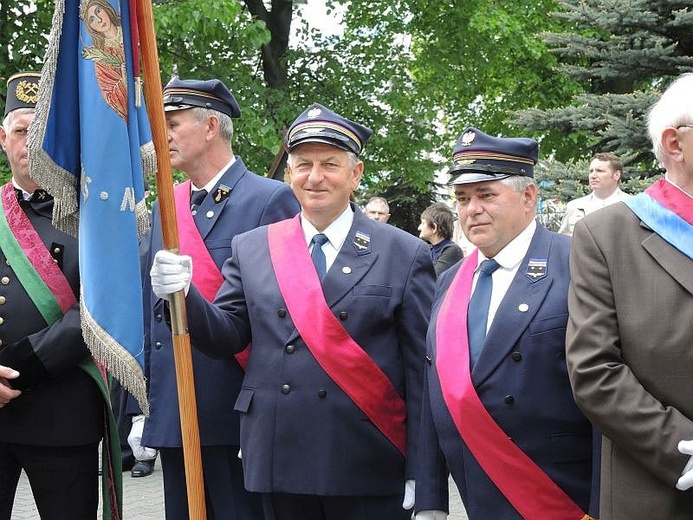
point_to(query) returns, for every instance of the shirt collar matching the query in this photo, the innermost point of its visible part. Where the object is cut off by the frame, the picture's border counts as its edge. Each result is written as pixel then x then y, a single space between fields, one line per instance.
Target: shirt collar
pixel 25 194
pixel 336 232
pixel 212 183
pixel 512 254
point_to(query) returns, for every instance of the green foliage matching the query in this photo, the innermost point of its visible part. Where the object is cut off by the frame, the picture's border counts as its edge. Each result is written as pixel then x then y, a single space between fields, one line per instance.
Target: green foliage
pixel 621 53
pixel 416 73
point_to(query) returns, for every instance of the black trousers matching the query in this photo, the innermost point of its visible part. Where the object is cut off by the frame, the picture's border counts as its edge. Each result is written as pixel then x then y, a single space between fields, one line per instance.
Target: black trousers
pixel 64 480
pixel 284 506
pixel 225 495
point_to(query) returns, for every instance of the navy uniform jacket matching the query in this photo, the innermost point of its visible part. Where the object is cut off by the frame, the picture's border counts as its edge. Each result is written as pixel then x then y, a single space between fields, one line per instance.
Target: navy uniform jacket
pixel 252 201
pixel 60 404
pixel 300 433
pixel 522 380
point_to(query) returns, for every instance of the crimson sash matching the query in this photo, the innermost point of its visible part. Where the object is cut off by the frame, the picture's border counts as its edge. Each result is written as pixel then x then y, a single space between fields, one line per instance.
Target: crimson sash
pixel 52 294
pixel 30 242
pixel 347 364
pixel 528 489
pixel 206 275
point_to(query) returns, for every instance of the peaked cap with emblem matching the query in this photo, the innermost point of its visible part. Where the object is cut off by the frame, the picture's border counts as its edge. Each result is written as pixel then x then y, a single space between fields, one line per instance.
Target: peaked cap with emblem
pixel 318 124
pixel 181 94
pixel 479 157
pixel 22 91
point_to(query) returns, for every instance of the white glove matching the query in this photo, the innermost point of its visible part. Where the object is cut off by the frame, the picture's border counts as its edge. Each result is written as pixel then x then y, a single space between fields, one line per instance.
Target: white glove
pixel 409 494
pixel 431 515
pixel 170 273
pixel 135 440
pixel 686 480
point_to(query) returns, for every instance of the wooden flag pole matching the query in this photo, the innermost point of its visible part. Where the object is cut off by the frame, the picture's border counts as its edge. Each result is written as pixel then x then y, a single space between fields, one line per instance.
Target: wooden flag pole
pixel 187 403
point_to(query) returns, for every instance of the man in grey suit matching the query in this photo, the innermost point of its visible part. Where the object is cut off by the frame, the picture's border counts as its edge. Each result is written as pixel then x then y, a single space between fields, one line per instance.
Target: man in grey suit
pixel 629 335
pixel 336 306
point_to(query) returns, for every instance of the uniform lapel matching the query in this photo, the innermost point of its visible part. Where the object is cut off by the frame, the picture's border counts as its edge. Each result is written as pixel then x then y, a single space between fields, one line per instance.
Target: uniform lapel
pixel 210 210
pixel 355 259
pixel 517 309
pixel 669 258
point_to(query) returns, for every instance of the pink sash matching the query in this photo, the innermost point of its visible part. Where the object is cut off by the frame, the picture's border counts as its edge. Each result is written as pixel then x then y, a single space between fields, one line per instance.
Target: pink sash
pixel 206 276
pixel 338 354
pixel 34 249
pixel 530 491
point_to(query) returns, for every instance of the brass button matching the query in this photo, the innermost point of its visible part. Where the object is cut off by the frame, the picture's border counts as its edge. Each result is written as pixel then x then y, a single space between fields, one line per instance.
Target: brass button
pixel 2 300
pixel 5 280
pixel 2 320
pixel 0 343
pixel 56 250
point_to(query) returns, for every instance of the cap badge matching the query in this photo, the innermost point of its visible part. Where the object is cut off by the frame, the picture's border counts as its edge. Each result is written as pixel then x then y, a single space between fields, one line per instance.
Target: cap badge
pixel 27 91
pixel 362 241
pixel 536 268
pixel 468 138
pixel 221 193
pixel 313 113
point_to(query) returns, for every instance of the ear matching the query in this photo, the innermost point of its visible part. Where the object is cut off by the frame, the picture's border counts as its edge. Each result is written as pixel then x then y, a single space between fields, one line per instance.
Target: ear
pixel 357 172
pixel 3 137
pixel 670 143
pixel 529 196
pixel 212 127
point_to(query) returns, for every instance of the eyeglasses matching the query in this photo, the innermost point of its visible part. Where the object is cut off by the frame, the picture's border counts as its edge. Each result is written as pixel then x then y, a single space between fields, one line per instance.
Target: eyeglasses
pixel 684 126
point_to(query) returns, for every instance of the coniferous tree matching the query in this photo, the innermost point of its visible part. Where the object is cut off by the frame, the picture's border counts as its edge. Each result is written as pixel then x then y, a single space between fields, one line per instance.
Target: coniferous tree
pixel 623 53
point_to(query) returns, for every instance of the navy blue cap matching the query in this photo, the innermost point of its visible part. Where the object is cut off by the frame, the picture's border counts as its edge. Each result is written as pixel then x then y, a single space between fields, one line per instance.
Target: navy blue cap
pixel 318 124
pixel 22 91
pixel 479 157
pixel 181 94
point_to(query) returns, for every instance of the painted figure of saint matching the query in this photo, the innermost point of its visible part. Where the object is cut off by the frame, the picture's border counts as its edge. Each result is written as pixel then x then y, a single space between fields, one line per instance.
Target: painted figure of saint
pixel 103 24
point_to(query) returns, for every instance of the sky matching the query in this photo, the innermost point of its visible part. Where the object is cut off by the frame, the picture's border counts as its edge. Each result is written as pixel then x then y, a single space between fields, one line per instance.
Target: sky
pixel 316 13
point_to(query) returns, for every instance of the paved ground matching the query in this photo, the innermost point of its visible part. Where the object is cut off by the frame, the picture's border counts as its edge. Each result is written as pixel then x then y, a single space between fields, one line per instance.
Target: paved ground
pixel 143 499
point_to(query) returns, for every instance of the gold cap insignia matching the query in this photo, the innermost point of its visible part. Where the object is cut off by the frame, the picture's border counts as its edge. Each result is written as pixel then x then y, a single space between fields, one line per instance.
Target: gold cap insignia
pixel 27 91
pixel 313 113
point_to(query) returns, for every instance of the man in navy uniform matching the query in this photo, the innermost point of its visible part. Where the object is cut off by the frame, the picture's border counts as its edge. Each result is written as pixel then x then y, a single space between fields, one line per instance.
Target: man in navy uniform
pixel 336 306
pixel 498 410
pixel 54 420
pixel 221 199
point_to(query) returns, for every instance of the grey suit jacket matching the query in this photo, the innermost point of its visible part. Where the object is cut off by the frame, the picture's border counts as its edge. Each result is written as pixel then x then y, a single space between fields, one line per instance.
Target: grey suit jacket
pixel 630 359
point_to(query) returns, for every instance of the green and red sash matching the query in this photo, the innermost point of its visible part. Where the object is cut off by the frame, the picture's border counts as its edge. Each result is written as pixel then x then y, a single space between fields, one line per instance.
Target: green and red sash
pixel 344 361
pixel 669 212
pixel 206 275
pixel 50 291
pixel 523 483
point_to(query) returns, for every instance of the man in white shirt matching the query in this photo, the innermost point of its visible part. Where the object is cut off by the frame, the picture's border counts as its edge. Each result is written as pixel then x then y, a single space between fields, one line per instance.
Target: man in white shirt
pixel 605 174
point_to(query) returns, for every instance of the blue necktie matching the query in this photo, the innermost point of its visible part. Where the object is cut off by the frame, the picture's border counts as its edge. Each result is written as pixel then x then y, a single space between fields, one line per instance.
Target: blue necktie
pixel 196 199
pixel 318 255
pixel 477 315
